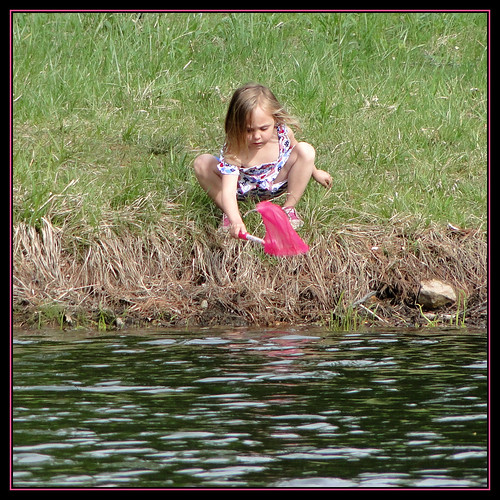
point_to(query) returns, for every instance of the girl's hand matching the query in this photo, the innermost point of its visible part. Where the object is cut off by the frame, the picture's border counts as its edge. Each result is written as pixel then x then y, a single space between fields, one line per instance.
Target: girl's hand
pixel 323 178
pixel 235 229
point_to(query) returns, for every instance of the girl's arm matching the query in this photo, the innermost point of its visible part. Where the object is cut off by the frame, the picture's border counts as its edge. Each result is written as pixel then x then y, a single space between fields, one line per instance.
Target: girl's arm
pixel 230 205
pixel 291 136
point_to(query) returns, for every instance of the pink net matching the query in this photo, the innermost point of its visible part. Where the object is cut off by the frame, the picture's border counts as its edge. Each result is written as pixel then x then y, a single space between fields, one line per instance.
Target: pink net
pixel 280 239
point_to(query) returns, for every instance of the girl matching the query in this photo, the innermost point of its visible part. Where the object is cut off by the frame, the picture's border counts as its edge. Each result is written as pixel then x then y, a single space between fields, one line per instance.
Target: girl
pixel 260 157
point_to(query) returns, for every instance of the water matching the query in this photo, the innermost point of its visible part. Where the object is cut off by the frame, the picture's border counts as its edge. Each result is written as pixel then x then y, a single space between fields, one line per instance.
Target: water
pixel 249 409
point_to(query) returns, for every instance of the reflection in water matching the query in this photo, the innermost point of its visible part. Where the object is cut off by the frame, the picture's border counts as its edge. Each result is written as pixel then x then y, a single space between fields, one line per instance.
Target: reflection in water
pixel 240 408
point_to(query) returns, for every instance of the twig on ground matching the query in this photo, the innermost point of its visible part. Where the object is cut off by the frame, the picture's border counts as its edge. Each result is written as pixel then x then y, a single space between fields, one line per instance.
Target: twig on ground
pixel 363 299
pixel 372 313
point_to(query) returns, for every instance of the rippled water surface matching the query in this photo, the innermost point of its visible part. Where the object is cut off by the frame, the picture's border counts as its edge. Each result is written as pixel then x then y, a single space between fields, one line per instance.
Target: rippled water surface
pixel 241 408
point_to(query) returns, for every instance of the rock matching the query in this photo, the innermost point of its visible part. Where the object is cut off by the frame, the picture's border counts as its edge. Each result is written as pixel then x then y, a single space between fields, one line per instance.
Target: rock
pixel 434 294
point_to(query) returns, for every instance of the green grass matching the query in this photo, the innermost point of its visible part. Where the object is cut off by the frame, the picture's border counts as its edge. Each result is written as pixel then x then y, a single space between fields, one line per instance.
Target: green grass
pixel 111 109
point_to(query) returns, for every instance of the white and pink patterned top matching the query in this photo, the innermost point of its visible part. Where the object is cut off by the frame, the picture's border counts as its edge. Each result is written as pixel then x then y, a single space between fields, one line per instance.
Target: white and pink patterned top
pixel 260 177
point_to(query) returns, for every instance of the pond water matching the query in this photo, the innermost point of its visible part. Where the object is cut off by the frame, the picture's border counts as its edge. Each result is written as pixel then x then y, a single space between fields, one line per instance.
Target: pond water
pixel 239 408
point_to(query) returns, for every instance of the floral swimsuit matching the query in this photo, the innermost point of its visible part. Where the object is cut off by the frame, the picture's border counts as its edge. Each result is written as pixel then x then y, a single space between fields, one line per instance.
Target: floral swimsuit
pixel 259 180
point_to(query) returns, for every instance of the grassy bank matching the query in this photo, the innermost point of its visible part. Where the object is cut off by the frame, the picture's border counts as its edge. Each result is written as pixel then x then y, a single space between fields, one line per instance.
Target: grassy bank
pixel 111 109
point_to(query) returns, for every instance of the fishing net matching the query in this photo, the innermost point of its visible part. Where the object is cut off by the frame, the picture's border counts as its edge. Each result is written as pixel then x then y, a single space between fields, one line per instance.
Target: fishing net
pixel 281 239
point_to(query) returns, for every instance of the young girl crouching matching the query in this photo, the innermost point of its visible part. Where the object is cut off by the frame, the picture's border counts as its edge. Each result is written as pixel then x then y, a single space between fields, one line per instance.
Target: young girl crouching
pixel 260 158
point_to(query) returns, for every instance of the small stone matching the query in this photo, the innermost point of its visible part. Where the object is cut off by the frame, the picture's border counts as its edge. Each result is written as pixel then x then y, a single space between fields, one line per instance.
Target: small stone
pixel 204 304
pixel 434 294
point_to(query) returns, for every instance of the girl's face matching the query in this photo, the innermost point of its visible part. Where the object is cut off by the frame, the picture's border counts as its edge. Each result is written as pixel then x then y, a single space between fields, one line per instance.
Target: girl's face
pixel 260 128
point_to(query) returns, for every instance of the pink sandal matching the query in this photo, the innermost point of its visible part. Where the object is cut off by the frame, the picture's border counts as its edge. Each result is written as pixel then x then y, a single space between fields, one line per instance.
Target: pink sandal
pixel 225 224
pixel 295 221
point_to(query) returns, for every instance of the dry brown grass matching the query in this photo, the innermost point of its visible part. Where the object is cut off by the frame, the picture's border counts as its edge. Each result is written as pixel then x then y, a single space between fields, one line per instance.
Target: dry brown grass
pixel 171 278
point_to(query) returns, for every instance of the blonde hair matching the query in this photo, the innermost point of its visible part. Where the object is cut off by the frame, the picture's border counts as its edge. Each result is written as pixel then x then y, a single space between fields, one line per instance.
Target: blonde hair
pixel 245 99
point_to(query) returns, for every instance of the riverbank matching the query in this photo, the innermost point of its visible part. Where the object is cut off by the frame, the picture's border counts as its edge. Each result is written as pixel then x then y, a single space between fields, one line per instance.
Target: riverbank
pixel 111 229
pixel 183 278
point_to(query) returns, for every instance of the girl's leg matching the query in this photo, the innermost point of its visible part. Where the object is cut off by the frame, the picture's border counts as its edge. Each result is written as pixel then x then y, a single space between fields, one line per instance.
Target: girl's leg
pixel 220 188
pixel 209 177
pixel 297 171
